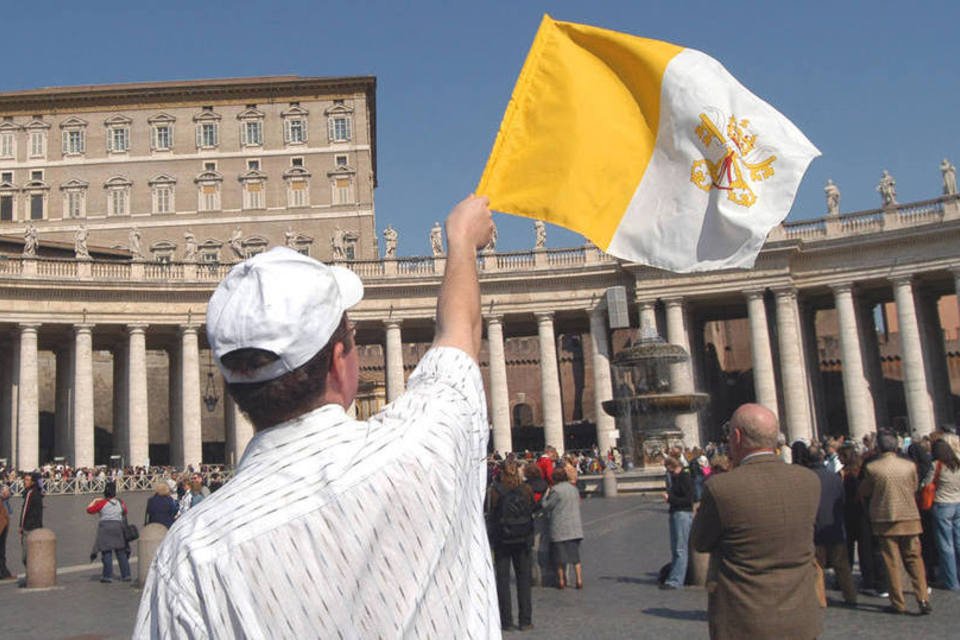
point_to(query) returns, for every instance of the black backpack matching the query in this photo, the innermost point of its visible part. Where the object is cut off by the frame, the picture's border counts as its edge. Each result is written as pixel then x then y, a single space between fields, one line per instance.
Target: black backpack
pixel 514 518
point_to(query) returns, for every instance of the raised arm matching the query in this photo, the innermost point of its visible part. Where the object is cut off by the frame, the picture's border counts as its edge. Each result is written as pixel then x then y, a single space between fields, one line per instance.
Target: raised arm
pixel 469 227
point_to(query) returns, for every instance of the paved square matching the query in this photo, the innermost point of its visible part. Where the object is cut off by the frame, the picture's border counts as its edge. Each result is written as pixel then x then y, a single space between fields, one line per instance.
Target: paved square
pixel 626 543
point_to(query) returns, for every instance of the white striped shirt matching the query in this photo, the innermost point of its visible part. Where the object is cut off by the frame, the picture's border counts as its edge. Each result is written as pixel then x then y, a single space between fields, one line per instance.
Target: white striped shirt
pixel 335 528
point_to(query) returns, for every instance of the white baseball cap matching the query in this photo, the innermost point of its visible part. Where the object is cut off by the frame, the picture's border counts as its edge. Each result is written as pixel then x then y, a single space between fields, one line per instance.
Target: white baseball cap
pixel 280 301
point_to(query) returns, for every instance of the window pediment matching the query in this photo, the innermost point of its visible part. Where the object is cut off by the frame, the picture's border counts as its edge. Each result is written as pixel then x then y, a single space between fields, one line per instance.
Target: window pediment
pixel 73 122
pixel 35 185
pixel 295 172
pixel 74 184
pixel 255 241
pixel 338 109
pixel 7 186
pixel 161 118
pixel 37 124
pixel 9 127
pixel 118 121
pixel 209 176
pixel 163 247
pixel 251 114
pixel 251 175
pixel 207 116
pixel 161 179
pixel 210 243
pixel 342 170
pixel 294 112
pixel 117 182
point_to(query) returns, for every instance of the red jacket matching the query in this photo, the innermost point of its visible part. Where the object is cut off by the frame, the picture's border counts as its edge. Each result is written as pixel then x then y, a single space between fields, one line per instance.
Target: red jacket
pixel 546 467
pixel 101 503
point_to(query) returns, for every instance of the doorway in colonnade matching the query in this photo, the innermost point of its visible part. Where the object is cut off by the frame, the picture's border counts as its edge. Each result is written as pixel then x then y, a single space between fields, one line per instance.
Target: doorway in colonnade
pixel 724 366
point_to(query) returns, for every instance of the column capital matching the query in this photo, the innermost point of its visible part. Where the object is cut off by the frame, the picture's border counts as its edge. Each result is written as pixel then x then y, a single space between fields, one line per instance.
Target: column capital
pixel 676 301
pixel 494 318
pixel 29 327
pixel 902 279
pixel 842 288
pixel 786 291
pixel 646 304
pixel 188 329
pixel 956 271
pixel 596 311
pixel 543 317
pixel 393 322
pixel 753 294
pixel 83 327
pixel 137 327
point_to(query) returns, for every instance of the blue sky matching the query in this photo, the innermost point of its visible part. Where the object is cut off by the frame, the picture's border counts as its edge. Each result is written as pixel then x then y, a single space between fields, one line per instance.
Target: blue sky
pixel 873 85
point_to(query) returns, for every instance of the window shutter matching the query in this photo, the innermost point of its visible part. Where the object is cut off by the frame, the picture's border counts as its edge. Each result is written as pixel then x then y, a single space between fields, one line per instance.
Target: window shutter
pixel 110 141
pixel 331 129
pixel 83 141
pixel 199 135
pixel 66 142
pixel 243 133
pixel 286 130
pixel 346 128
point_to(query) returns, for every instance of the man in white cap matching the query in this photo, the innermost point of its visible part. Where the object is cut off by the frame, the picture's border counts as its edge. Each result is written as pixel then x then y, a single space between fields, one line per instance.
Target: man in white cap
pixel 334 527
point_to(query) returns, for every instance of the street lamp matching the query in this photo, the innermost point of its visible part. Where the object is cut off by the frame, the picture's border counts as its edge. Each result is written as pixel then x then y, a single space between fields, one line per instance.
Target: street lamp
pixel 210 397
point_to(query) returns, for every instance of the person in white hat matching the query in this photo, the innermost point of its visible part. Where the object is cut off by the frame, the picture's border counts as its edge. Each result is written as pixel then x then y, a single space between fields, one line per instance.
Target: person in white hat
pixel 333 527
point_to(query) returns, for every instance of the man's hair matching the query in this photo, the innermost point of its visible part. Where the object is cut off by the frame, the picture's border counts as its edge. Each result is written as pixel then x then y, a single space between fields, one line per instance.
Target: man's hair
pixel 757 426
pixel 887 442
pixel 292 394
pixel 559 475
pixel 671 463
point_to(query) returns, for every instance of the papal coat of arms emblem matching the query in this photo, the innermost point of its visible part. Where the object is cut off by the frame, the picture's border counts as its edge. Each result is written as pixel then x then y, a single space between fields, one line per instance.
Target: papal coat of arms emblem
pixel 732 162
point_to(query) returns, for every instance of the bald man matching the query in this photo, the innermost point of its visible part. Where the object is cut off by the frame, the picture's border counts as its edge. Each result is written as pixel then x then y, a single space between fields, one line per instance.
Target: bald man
pixel 758 521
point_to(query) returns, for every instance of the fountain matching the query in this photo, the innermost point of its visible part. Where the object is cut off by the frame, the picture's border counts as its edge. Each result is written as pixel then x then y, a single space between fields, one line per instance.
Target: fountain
pixel 643 404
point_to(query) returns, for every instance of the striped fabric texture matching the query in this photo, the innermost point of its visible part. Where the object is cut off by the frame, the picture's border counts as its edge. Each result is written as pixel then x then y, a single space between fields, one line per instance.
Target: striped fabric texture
pixel 336 528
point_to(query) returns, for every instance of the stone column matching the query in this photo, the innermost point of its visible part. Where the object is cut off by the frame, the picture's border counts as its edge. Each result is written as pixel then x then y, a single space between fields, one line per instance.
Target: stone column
pixel 121 397
pixel 872 366
pixel 856 388
pixel 136 418
pixel 764 378
pixel 550 382
pixel 796 397
pixel 238 428
pixel 394 360
pixel 919 402
pixel 648 318
pixel 499 392
pixel 935 356
pixel 28 403
pixel 9 370
pixel 82 454
pixel 602 381
pixel 681 374
pixel 191 437
pixel 63 405
pixel 956 288
pixel 175 387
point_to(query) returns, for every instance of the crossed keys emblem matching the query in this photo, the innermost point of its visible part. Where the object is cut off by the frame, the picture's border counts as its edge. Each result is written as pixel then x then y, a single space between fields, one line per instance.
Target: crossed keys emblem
pixel 738 168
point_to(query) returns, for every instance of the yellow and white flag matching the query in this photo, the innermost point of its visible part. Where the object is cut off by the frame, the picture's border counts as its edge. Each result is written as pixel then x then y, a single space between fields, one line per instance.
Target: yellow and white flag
pixel 652 151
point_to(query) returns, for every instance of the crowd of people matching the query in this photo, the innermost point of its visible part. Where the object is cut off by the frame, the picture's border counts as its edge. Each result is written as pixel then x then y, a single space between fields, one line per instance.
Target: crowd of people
pixel 886 501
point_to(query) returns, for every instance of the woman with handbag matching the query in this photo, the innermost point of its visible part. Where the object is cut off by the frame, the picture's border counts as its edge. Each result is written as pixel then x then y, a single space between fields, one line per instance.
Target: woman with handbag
pixel 110 533
pixel 945 477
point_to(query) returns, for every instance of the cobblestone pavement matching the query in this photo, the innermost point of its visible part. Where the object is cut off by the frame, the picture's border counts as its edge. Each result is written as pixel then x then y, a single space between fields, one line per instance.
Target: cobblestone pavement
pixel 626 543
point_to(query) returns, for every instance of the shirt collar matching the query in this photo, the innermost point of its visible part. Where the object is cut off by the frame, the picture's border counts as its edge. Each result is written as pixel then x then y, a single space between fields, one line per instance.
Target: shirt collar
pixel 756 454
pixel 322 418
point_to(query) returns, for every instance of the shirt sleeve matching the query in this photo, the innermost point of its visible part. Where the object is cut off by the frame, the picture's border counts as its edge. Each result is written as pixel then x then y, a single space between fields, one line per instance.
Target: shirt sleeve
pixel 167 611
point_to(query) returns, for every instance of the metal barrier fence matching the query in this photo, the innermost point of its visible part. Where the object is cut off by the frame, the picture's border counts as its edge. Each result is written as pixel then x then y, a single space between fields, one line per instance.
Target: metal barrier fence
pixel 81 485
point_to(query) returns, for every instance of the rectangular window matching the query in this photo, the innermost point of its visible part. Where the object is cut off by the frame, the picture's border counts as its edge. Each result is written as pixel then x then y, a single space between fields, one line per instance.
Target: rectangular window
pixel 298 193
pixel 38 144
pixel 118 202
pixel 209 197
pixel 207 135
pixel 36 206
pixel 8 145
pixel 6 208
pixel 6 176
pixel 253 165
pixel 342 191
pixel 36 175
pixel 340 129
pixel 296 162
pixel 163 200
pixel 253 194
pixel 296 131
pixel 162 137
pixel 73 142
pixel 119 140
pixel 209 166
pixel 74 204
pixel 340 161
pixel 252 133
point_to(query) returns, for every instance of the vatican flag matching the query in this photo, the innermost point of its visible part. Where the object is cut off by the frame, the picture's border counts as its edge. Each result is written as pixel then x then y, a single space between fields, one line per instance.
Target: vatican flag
pixel 652 151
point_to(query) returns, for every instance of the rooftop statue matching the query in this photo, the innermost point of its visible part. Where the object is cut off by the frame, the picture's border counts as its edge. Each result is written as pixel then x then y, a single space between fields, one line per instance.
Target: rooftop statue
pixel 390 242
pixel 887 189
pixel 541 234
pixel 236 244
pixel 949 177
pixel 189 246
pixel 832 192
pixel 136 250
pixel 80 243
pixel 436 240
pixel 338 242
pixel 30 241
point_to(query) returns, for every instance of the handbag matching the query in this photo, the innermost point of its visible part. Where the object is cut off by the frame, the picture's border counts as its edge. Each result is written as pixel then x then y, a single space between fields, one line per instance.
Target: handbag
pixel 130 531
pixel 929 491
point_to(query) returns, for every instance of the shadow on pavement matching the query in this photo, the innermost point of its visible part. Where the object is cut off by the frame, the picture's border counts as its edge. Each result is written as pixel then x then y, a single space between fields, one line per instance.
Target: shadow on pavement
pixel 652 579
pixel 676 614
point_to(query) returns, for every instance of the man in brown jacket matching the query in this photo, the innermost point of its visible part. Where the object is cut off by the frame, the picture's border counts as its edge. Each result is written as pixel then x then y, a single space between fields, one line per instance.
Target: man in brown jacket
pixel 890 484
pixel 758 521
